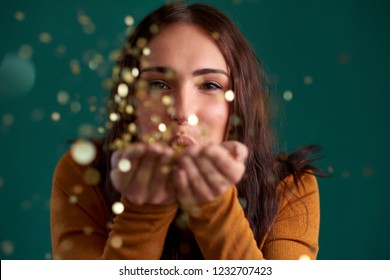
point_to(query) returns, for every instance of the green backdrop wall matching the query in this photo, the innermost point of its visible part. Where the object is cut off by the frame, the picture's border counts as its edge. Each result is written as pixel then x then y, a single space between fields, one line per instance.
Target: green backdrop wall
pixel 330 63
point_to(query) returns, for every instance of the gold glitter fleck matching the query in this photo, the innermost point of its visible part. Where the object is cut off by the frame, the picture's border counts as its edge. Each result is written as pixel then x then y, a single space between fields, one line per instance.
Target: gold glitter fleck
pixel 88 230
pixel 127 76
pixel 229 95
pixel 73 199
pixel 154 28
pixel 7 247
pixel 55 116
pixel 92 176
pixel 165 169
pixel 124 165
pixel 146 51
pixel 133 128
pixel 83 152
pixel 20 16
pixel 193 120
pixel 118 208
pixel 345 174
pixel 167 100
pixel 116 242
pixel 75 107
pixel 287 95
pixel 129 20
pixel 25 51
pixel 75 66
pixel 63 97
pixel 78 189
pixel 123 90
pixel 8 119
pixel 308 80
pixel 162 127
pixel 330 169
pixel 135 72
pixel 215 35
pixel 101 130
pixel 141 42
pixel 304 258
pixel 129 109
pixel 45 37
pixel 114 117
pixel 37 114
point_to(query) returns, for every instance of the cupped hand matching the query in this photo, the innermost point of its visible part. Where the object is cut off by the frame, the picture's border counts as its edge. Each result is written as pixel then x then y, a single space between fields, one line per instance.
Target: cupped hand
pixel 146 180
pixel 204 173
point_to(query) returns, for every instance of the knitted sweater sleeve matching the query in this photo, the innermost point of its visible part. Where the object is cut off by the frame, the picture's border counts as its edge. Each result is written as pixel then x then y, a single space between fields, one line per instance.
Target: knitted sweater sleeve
pixel 223 232
pixel 78 218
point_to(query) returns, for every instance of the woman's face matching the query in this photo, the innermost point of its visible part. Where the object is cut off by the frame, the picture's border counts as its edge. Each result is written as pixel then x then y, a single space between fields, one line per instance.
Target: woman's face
pixel 187 77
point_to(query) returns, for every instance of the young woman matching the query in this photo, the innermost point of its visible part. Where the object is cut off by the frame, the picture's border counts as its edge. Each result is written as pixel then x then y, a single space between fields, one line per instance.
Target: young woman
pixel 188 154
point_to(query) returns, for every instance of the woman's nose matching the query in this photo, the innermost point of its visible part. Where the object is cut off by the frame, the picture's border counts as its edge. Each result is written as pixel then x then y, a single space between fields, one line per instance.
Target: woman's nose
pixel 183 107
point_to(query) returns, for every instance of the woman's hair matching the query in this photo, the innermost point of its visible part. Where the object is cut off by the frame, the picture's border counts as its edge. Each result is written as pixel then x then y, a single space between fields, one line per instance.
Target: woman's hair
pixel 249 113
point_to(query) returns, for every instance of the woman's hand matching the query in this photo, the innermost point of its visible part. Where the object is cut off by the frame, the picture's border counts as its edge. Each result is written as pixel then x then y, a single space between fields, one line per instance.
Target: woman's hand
pixel 203 173
pixel 146 181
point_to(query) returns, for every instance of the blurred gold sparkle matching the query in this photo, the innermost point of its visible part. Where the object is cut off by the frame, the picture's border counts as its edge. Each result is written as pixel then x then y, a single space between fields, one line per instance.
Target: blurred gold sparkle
pixel 73 199
pixel 20 16
pixel 129 20
pixel 55 116
pixel 146 51
pixel 92 176
pixel 308 80
pixel 193 120
pixel 75 107
pixel 63 97
pixel 25 51
pixel 75 66
pixel 83 152
pixel 287 95
pixel 116 242
pixel 8 119
pixel 88 230
pixel 114 117
pixel 118 208
pixel 45 37
pixel 167 100
pixel 7 247
pixel 124 165
pixel 135 72
pixel 37 114
pixel 162 127
pixel 304 258
pixel 229 95
pixel 123 90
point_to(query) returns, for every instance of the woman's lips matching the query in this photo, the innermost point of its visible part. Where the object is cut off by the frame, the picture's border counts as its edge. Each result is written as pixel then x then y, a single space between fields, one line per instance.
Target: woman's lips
pixel 181 140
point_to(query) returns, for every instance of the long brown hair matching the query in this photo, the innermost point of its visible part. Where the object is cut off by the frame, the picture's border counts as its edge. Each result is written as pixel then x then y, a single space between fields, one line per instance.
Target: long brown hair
pixel 250 114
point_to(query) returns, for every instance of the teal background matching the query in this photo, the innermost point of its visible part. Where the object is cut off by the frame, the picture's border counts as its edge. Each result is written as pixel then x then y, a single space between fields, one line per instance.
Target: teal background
pixel 343 46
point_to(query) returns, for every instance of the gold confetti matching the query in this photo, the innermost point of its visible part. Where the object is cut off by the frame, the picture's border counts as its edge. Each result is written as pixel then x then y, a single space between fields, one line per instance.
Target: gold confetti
pixel 127 76
pixel 193 120
pixel 88 230
pixel 129 109
pixel 287 95
pixel 129 20
pixel 92 176
pixel 118 208
pixel 25 51
pixel 308 80
pixel 162 127
pixel 123 90
pixel 330 169
pixel 124 165
pixel 154 28
pixel 37 114
pixel 55 116
pixel 75 66
pixel 135 72
pixel 133 128
pixel 45 37
pixel 78 189
pixel 75 107
pixel 63 97
pixel 83 152
pixel 215 35
pixel 7 247
pixel 167 100
pixel 116 242
pixel 304 258
pixel 20 16
pixel 73 199
pixel 8 119
pixel 229 95
pixel 114 117
pixel 101 130
pixel 146 51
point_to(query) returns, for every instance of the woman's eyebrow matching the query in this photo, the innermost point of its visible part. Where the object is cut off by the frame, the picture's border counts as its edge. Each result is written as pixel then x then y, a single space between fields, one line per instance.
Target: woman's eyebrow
pixel 198 72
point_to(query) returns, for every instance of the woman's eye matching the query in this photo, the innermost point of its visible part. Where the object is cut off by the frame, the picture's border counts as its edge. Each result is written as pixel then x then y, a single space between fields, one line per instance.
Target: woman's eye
pixel 158 85
pixel 211 86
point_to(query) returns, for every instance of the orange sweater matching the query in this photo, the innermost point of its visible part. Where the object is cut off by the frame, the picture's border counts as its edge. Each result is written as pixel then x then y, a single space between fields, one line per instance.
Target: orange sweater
pixel 79 227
